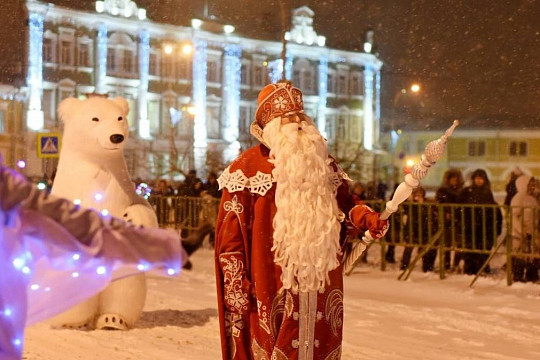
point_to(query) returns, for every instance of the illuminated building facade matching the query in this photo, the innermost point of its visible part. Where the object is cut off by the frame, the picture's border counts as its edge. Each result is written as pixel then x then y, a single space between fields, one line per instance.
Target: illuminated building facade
pixel 163 69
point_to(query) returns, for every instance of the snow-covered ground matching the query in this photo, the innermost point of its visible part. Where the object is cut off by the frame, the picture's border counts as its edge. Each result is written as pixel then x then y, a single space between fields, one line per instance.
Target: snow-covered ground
pixel 422 318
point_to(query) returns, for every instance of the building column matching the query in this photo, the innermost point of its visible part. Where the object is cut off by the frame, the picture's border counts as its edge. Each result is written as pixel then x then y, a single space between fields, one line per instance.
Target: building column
pixel 323 95
pixel 34 81
pixel 368 108
pixel 101 56
pixel 231 100
pixel 377 127
pixel 144 65
pixel 200 137
pixel 289 66
pixel 275 70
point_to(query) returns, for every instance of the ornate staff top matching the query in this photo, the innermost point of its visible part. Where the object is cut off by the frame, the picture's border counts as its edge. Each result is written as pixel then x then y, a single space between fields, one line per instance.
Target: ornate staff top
pixel 432 153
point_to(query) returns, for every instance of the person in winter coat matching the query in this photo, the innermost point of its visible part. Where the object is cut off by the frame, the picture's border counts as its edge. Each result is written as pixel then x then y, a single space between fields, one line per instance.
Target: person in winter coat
pixel 448 193
pixel 525 240
pixel 420 224
pixel 511 189
pixel 482 224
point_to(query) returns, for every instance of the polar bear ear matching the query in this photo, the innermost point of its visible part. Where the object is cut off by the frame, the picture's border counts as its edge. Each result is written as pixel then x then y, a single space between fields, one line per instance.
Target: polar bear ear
pixel 67 107
pixel 120 101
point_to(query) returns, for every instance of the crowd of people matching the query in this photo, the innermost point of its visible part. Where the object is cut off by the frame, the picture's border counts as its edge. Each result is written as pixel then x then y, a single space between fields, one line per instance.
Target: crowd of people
pixel 470 230
pixel 472 222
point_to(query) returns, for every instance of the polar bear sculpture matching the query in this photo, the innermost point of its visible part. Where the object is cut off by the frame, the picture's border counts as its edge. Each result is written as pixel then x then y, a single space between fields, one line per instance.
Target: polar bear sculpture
pixel 92 171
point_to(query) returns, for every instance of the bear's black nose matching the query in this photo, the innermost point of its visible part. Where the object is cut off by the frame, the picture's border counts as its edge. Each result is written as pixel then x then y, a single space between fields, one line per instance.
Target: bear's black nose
pixel 117 138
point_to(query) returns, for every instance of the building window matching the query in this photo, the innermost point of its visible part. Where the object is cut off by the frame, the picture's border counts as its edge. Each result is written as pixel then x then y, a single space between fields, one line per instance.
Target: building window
pixel 356 85
pixel 296 78
pixel 258 76
pixel 303 76
pixel 477 148
pixel 518 148
pixel 49 108
pixel 111 60
pixel 355 133
pixel 153 64
pixel 244 74
pixel 184 68
pixel 331 86
pixel 341 128
pixel 84 55
pixel 244 120
pixel 127 61
pixel 167 67
pixel 213 124
pixel 308 82
pixel 213 72
pixel 47 50
pixel 342 84
pixel 65 53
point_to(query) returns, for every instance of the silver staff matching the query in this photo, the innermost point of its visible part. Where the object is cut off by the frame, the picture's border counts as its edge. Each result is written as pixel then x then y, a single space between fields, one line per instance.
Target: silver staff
pixel 432 153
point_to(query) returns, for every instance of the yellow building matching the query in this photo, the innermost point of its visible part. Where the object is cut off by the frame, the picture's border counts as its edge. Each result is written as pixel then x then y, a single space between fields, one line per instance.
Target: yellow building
pixel 496 151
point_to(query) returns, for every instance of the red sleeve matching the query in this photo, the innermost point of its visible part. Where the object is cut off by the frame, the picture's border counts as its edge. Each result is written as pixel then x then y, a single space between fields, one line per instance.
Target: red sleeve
pixel 364 218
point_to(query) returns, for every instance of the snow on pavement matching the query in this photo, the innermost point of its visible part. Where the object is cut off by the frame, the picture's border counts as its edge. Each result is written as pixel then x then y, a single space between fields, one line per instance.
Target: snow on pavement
pixel 422 318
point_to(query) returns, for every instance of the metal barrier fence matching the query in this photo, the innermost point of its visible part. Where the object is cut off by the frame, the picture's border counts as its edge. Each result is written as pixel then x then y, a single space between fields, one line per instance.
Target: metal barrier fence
pixel 473 233
pixel 466 231
pixel 184 213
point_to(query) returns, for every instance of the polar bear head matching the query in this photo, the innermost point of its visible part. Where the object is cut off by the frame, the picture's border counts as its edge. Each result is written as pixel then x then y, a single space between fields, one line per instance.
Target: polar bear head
pixel 96 126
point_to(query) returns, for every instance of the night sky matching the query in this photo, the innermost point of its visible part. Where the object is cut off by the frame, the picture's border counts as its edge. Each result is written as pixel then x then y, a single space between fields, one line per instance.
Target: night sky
pixel 476 60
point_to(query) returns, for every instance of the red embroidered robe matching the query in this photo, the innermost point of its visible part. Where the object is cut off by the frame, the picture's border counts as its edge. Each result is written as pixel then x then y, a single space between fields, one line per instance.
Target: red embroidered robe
pixel 257 320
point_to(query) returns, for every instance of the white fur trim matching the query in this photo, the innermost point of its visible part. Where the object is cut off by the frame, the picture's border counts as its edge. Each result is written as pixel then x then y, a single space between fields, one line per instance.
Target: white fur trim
pixel 261 182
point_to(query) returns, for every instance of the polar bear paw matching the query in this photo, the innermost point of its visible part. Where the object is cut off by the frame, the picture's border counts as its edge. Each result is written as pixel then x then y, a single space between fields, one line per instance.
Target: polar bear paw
pixel 111 322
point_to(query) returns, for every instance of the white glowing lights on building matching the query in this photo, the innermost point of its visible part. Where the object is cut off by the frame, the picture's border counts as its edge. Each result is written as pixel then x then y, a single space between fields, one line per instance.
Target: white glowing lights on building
pixel 161 66
pixel 228 29
pixel 125 8
pixel 144 66
pixel 368 109
pixel 302 31
pixel 35 120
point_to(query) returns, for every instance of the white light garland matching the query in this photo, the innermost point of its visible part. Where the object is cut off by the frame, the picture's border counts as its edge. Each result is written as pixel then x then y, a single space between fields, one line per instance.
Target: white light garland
pixel 368 108
pixel 323 95
pixel 101 71
pixel 199 92
pixel 144 67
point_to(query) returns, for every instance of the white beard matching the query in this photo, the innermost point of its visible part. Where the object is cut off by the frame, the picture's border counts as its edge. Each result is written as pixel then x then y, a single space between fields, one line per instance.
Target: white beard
pixel 306 226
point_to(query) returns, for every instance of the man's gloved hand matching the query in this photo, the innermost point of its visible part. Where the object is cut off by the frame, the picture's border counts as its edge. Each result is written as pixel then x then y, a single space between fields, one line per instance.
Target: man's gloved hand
pixel 380 229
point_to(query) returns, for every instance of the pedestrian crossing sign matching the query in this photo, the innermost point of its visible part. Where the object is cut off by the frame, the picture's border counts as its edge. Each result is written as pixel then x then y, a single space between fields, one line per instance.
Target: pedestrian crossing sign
pixel 48 145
